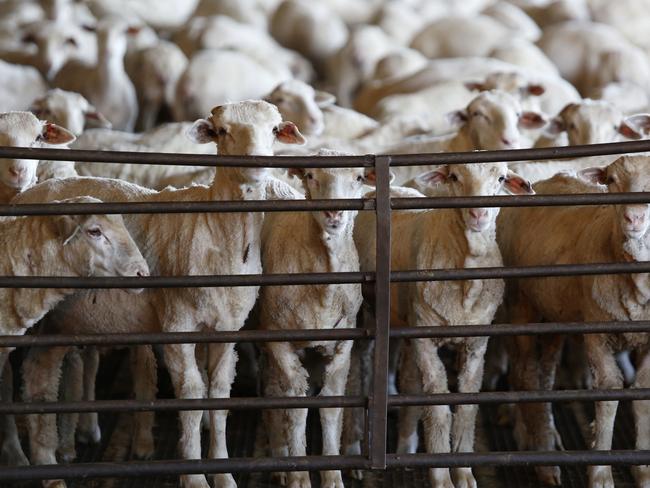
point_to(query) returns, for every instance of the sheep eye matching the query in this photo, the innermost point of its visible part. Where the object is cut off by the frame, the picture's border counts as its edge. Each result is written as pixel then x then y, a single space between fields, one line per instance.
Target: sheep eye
pixel 309 176
pixel 360 178
pixel 94 232
pixel 222 132
pixel 502 179
pixel 453 177
pixel 572 126
pixel 70 41
pixel 477 114
pixel 609 180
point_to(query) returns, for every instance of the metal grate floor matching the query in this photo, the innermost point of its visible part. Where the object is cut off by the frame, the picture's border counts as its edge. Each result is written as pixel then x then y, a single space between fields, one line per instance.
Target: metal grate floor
pixel 245 438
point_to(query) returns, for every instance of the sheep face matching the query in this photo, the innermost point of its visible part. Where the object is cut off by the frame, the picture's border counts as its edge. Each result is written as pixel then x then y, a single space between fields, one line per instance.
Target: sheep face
pixel 69 110
pixel 299 102
pixel 332 184
pixel 626 174
pixel 248 128
pixel 474 180
pixel 597 122
pixel 100 244
pixel 493 121
pixel 23 129
pixel 511 82
pixel 55 43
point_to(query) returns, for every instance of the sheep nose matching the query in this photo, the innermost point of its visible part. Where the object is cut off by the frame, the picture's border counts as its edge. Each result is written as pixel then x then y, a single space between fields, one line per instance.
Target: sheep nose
pixel 17 172
pixel 478 213
pixel 506 141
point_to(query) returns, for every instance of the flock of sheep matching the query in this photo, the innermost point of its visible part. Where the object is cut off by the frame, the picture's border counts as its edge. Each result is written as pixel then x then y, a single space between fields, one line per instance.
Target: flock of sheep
pixel 391 77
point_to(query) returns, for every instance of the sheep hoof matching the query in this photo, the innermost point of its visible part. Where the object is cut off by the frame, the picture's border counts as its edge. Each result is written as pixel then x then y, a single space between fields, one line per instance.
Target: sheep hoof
pixel 549 475
pixel 279 478
pixel 67 454
pixel 642 476
pixel 600 477
pixel 91 435
pixel 331 479
pixel 143 448
pixel 54 484
pixel 463 478
pixel 407 444
pixel 356 474
pixel 12 455
pixel 224 480
pixel 299 479
pixel 440 478
pixel 194 481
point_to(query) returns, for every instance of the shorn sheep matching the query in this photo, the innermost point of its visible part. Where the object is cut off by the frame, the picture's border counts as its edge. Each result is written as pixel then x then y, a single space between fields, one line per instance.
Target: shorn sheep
pixel 444 238
pixel 185 245
pixel 594 234
pixel 310 242
pixel 91 245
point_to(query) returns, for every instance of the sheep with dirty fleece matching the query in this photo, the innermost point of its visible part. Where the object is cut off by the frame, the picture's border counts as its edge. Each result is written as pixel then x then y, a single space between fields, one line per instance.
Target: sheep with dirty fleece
pixel 177 244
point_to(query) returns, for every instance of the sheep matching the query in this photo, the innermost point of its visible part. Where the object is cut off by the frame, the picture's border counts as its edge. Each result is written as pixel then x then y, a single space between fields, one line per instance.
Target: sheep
pixel 159 14
pixel 598 55
pixel 403 62
pixel 556 11
pixel 168 138
pixel 245 78
pixel 24 129
pixel 524 54
pixel 89 245
pixel 492 121
pixel 221 32
pixel 587 122
pixel 106 85
pixel 399 20
pixel 253 12
pixel 310 28
pixel 628 97
pixel 314 112
pixel 515 19
pixel 592 234
pixel 444 238
pixel 155 71
pixel 20 85
pixel 319 241
pixel 186 244
pixel 627 16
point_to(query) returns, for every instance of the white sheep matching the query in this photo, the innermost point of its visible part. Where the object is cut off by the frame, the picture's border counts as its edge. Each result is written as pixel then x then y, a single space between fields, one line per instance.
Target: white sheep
pixel 240 77
pixel 399 20
pixel 588 234
pixel 186 245
pixel 628 97
pixel 491 121
pixel 253 12
pixel 515 19
pixel 170 138
pixel 106 85
pixel 444 238
pixel 24 129
pixel 319 241
pixel 159 14
pixel 526 55
pixel 89 245
pixel 68 109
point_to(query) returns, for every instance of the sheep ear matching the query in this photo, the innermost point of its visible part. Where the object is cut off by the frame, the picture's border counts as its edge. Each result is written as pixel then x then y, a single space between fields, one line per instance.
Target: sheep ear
pixel 534 90
pixel 635 126
pixel 556 126
pixel 457 118
pixel 433 177
pixel 55 134
pixel 288 133
pixel 67 226
pixel 133 30
pixel 201 132
pixel 474 85
pixel 371 177
pixel 324 99
pixel 517 185
pixel 531 120
pixel 297 172
pixel 96 118
pixel 594 175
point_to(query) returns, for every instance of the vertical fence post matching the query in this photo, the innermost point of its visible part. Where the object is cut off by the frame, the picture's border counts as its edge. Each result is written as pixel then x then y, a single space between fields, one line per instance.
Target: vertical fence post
pixel 378 408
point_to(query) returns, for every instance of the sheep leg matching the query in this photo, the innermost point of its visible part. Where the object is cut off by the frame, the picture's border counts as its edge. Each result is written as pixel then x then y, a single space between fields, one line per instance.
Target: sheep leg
pixel 293 380
pixel 188 383
pixel 11 452
pixel 606 376
pixel 202 361
pixel 410 381
pixel 437 418
pixel 89 431
pixel 274 419
pixel 641 410
pixel 71 390
pixel 145 379
pixel 42 374
pixel 222 359
pixel 331 419
pixel 470 376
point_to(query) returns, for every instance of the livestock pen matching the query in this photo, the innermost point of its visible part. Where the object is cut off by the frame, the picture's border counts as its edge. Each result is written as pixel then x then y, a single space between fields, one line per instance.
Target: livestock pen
pixel 495 449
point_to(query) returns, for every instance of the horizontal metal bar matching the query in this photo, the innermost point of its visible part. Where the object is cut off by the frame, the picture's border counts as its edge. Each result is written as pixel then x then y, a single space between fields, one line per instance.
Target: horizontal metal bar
pixel 265 403
pixel 521 200
pixel 184 159
pixel 183 404
pixel 319 463
pixel 133 339
pixel 534 154
pixel 488 330
pixel 16 210
pixel 178 159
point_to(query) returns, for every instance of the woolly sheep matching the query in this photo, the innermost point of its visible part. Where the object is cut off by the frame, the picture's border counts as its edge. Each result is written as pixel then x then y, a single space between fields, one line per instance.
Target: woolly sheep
pixel 515 19
pixel 185 244
pixel 590 234
pixel 159 14
pixel 491 121
pixel 89 245
pixel 319 241
pixel 253 12
pixel 106 85
pixel 68 109
pixel 443 238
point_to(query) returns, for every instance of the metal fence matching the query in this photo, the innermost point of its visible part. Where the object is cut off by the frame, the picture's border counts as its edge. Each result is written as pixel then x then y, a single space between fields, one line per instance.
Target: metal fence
pixel 378 401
